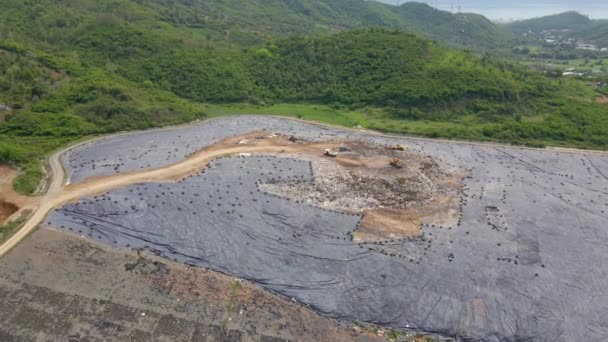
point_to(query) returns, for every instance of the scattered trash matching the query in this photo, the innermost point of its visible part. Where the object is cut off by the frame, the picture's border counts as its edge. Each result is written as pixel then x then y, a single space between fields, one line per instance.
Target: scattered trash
pixel 330 153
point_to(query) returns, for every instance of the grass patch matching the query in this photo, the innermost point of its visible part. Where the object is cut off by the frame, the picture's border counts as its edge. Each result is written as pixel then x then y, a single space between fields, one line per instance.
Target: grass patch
pixel 318 113
pixel 393 334
pixel 230 306
pixel 35 150
pixel 28 180
pixel 7 230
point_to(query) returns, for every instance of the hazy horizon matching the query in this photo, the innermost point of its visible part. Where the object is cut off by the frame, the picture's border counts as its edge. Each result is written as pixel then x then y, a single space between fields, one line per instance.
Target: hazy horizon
pixel 518 9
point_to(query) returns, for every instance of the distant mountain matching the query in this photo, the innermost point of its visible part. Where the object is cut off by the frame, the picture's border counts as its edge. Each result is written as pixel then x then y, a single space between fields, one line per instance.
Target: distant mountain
pixel 596 33
pixel 572 24
pixel 518 9
pixel 256 20
pixel 461 29
pixel 566 20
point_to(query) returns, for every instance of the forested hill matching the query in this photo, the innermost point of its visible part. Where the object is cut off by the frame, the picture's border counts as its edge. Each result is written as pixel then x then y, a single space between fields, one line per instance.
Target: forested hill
pixel 468 30
pixel 279 17
pixel 250 22
pixel 570 24
pixel 70 68
pixel 112 76
pixel 566 20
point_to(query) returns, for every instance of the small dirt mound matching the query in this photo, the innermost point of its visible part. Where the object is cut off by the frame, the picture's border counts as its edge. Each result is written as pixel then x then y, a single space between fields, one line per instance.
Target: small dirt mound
pixel 145 266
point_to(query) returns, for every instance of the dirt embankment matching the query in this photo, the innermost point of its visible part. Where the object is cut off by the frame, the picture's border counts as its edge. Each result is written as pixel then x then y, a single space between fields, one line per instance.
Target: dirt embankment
pixel 60 287
pixel 7 210
pixel 11 202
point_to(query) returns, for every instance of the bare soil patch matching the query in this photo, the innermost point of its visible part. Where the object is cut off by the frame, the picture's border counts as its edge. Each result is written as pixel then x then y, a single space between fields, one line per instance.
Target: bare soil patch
pixel 10 201
pixel 379 223
pixel 602 99
pixel 395 190
pixel 7 209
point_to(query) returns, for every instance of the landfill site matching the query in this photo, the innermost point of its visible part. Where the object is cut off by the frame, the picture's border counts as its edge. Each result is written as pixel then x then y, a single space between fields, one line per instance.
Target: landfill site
pixel 272 229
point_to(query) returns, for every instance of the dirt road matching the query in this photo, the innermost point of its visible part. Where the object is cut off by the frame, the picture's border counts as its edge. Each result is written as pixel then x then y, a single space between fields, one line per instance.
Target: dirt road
pixel 59 194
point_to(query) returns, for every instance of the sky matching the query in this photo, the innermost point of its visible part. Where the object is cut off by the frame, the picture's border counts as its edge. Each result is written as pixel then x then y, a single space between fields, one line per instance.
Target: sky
pixel 519 9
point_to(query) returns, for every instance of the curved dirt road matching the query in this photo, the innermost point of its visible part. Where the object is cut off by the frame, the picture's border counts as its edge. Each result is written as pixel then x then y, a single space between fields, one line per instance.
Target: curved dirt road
pixel 59 194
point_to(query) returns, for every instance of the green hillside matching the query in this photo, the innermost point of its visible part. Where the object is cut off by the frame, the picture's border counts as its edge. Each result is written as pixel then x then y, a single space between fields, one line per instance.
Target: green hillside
pixel 567 20
pixel 379 68
pixel 570 24
pixel 461 29
pixel 597 33
pixel 73 68
pixel 248 22
pixel 258 19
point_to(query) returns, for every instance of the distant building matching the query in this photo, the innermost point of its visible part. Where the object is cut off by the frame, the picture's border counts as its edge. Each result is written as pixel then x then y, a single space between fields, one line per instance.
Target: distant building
pixel 590 47
pixel 572 73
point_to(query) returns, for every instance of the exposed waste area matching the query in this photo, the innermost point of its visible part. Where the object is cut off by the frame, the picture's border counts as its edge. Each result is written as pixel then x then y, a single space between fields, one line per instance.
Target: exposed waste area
pixel 522 262
pixel 366 176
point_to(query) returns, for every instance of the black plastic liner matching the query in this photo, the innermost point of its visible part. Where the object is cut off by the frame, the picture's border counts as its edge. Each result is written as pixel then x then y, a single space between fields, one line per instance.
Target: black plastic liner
pixel 526 262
